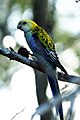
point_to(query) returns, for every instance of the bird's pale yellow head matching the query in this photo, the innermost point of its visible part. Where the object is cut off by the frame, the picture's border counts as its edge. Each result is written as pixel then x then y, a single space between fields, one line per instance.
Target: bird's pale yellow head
pixel 26 25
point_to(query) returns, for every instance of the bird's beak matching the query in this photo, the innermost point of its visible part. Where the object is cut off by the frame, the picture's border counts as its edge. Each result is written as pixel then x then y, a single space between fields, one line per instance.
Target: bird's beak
pixel 19 26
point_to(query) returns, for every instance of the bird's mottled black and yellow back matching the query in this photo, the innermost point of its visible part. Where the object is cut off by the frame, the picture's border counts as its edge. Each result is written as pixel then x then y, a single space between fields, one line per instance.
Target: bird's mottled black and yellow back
pixel 44 38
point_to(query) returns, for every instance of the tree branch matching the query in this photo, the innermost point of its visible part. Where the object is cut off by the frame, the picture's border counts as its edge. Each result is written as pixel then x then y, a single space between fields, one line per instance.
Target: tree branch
pixel 34 64
pixel 43 108
pixel 17 57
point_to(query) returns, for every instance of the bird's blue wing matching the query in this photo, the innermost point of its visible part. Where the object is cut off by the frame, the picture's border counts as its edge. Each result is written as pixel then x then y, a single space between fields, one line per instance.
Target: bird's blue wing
pixel 52 57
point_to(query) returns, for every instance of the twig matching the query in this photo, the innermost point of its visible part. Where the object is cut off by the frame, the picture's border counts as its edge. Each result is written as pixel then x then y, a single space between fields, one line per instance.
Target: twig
pixel 49 105
pixel 34 64
pixel 17 114
pixel 17 57
pixel 70 112
pixel 70 78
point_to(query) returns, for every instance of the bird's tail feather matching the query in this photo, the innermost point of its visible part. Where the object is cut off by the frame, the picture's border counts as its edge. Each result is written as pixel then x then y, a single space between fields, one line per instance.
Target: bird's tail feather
pixel 55 91
pixel 61 67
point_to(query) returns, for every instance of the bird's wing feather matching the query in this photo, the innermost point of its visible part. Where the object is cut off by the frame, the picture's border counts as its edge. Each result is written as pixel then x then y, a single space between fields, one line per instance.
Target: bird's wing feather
pixel 52 56
pixel 45 49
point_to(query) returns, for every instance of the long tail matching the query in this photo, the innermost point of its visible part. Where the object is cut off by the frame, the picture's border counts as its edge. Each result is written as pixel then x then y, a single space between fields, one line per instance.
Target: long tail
pixel 61 67
pixel 55 91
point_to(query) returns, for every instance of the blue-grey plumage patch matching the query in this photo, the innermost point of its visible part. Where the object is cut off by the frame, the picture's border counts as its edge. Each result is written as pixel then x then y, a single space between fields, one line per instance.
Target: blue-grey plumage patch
pixel 52 55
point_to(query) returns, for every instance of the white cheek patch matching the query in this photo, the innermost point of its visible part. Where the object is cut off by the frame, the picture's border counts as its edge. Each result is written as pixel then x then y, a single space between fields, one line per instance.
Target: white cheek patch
pixel 25 28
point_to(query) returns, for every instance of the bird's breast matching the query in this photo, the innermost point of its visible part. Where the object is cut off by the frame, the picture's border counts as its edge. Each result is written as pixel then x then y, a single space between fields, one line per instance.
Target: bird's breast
pixel 31 41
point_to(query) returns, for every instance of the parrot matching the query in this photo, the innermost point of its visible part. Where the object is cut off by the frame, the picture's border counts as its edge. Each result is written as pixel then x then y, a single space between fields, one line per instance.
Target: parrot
pixel 43 48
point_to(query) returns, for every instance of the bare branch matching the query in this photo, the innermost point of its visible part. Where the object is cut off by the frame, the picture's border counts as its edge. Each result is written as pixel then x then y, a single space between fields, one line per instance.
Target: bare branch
pixel 17 114
pixel 17 57
pixel 34 64
pixel 45 107
pixel 70 78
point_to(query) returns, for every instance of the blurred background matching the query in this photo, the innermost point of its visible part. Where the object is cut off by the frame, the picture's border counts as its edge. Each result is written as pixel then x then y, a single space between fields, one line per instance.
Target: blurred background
pixel 19 84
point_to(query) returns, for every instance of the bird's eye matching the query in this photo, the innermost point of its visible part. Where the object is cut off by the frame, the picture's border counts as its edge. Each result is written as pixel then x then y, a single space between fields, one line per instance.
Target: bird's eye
pixel 24 23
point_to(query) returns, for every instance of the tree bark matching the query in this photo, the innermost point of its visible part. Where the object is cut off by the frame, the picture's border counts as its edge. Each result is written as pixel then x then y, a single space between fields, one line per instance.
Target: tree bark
pixel 42 18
